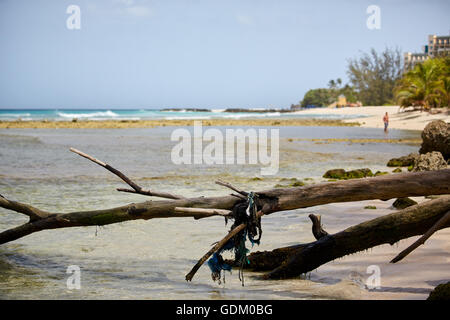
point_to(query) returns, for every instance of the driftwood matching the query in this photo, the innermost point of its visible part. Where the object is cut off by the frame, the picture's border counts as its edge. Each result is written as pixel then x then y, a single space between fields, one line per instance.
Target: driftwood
pixel 381 187
pixel 136 188
pixel 269 201
pixel 438 225
pixel 317 229
pixel 303 258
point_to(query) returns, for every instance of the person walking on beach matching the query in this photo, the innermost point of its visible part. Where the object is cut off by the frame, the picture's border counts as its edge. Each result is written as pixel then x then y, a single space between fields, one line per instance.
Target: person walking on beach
pixel 386 122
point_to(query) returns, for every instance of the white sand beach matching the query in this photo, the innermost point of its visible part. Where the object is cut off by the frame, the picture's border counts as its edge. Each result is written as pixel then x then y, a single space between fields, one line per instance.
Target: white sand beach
pixel 398 119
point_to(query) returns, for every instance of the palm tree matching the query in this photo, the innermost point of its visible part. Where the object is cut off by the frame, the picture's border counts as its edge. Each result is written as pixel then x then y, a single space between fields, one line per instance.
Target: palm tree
pixel 426 85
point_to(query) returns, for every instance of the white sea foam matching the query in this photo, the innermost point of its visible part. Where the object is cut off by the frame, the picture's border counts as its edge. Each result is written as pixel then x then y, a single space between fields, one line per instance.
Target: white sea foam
pixel 106 114
pixel 187 118
pixel 16 115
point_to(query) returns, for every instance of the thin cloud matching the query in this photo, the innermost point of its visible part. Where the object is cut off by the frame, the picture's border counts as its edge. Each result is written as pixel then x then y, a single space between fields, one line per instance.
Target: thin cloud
pixel 139 11
pixel 244 19
pixel 132 8
pixel 126 2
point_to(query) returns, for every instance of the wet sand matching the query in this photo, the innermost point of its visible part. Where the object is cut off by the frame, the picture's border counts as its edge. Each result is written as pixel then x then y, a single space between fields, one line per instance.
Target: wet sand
pixel 411 278
pixel 35 170
pixel 119 124
pixel 405 119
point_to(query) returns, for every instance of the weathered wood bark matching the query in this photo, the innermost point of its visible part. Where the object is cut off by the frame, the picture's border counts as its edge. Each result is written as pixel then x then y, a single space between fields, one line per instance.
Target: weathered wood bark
pixel 296 260
pixel 381 187
pixel 136 188
pixel 438 225
pixel 217 247
pixel 317 229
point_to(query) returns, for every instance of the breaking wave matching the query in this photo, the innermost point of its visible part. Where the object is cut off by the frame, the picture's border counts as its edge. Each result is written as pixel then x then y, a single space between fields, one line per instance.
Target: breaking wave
pixel 100 114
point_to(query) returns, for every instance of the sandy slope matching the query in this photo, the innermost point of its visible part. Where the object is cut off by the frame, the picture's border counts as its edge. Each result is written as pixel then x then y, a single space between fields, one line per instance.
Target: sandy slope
pixel 411 120
pixel 412 278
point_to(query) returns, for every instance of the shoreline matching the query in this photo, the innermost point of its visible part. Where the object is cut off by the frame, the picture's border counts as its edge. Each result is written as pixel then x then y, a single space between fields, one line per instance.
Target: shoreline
pixel 121 124
pixel 365 117
pixel 398 119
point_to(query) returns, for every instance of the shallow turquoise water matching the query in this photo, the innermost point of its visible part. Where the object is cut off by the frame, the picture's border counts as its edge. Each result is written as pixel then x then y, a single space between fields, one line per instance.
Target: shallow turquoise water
pixel 141 114
pixel 149 259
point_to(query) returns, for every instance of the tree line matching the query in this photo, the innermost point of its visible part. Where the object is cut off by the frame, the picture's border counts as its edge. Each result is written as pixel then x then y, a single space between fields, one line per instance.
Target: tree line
pixel 379 78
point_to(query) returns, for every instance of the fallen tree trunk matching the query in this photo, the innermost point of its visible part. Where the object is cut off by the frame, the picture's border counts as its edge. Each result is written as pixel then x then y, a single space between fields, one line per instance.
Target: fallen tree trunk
pixel 299 259
pixel 381 187
pixel 438 225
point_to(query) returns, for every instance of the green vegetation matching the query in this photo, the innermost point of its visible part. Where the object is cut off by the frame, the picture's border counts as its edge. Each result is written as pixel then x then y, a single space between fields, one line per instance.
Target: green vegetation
pixel 374 76
pixel 341 174
pixel 370 207
pixel 427 85
pixel 326 96
pixel 404 161
pixel 293 182
pixel 377 79
pixel 318 97
pixel 402 203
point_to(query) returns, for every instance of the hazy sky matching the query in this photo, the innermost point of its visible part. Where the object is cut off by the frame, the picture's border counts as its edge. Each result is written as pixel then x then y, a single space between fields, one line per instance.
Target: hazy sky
pixel 194 53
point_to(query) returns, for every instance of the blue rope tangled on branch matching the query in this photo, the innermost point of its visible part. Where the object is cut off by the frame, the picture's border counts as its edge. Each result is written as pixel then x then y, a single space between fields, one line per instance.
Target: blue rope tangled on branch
pixel 244 212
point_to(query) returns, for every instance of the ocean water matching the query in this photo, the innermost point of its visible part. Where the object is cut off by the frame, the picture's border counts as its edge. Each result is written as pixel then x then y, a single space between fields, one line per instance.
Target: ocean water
pixel 146 114
pixel 149 259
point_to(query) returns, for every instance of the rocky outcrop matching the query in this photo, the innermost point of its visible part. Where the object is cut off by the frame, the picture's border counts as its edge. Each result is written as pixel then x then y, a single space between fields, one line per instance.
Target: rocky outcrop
pixel 424 162
pixel 430 161
pixel 290 183
pixel 404 161
pixel 335 174
pixel 341 174
pixel 402 203
pixel 441 292
pixel 436 137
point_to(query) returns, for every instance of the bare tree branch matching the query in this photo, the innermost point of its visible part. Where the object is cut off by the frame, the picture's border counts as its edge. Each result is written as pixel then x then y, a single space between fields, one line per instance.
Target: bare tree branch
pixel 217 247
pixel 226 184
pixel 438 225
pixel 204 213
pixel 381 187
pixel 391 228
pixel 136 188
pixel 32 212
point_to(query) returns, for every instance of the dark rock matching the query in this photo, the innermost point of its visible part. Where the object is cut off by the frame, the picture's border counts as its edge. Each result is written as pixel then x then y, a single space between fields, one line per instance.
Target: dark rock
pixel 381 173
pixel 341 174
pixel 436 137
pixel 396 170
pixel 234 110
pixel 359 173
pixel 430 161
pixel 187 109
pixel 293 182
pixel 441 292
pixel 335 174
pixel 402 203
pixel 404 161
